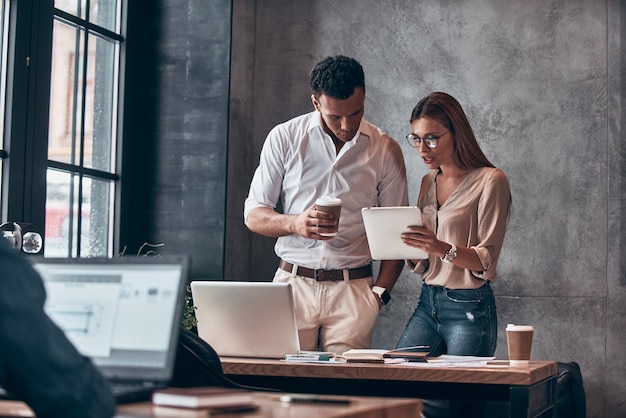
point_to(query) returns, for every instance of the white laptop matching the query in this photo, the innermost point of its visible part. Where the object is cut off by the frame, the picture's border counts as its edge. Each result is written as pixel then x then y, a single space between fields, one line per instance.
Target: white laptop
pixel 123 313
pixel 246 319
pixel 383 226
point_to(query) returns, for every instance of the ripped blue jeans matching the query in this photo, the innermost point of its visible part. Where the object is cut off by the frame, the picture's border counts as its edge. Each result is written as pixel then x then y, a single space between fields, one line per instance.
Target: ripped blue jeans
pixel 454 321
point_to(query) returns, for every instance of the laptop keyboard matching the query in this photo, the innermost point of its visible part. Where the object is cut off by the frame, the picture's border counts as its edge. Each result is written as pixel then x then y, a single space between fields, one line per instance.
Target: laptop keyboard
pixel 132 392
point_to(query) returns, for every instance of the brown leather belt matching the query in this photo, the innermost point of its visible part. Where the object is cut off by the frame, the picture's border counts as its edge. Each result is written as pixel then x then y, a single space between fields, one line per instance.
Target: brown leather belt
pixel 322 275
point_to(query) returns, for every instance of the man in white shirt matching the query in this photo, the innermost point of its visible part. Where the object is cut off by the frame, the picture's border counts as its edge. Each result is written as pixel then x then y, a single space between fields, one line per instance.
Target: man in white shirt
pixel 331 151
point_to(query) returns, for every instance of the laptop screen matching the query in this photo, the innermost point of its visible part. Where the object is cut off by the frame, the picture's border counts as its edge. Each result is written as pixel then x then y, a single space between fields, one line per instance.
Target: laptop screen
pixel 246 319
pixel 123 313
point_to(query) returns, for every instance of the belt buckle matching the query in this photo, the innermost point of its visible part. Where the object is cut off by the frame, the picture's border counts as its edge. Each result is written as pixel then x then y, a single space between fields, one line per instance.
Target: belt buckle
pixel 321 275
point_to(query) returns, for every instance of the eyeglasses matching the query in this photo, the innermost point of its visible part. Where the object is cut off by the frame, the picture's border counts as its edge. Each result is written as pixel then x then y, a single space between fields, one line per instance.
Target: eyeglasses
pixel 430 140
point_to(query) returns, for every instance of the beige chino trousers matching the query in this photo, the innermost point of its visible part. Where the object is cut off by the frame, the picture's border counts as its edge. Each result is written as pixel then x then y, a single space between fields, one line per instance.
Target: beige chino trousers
pixel 333 315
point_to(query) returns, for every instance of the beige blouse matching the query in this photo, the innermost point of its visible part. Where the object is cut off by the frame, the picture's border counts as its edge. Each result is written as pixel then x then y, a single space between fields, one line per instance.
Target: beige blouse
pixel 475 216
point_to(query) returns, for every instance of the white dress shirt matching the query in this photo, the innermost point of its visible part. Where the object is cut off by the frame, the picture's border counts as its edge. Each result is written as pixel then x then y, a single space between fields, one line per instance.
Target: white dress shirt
pixel 299 163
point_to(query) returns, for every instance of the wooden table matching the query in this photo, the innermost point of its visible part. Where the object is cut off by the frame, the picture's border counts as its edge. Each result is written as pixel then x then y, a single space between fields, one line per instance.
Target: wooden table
pixel 529 391
pixel 269 407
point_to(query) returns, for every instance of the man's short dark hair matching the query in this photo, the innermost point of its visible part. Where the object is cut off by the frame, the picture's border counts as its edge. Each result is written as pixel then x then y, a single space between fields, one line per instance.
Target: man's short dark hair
pixel 337 77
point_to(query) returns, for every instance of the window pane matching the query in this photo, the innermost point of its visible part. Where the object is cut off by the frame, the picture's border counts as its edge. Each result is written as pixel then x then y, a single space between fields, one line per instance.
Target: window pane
pixel 101 103
pixel 60 195
pixel 77 8
pixel 67 126
pixel 97 227
pixel 104 13
pixel 63 223
pixel 65 94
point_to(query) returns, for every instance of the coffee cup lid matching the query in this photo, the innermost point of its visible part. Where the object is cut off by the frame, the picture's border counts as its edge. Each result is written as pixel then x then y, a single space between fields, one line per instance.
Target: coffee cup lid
pixel 328 200
pixel 512 327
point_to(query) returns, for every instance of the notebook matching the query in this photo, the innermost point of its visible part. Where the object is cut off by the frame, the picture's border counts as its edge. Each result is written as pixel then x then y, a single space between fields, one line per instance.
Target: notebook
pixel 383 226
pixel 246 319
pixel 123 313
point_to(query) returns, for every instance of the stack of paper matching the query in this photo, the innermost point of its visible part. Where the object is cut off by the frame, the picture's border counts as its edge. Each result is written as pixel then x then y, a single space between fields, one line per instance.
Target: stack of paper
pixel 415 353
pixel 364 356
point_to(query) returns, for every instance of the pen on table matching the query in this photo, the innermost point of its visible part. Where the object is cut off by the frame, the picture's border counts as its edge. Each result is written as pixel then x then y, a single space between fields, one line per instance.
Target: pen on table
pixel 414 347
pixel 307 357
pixel 304 398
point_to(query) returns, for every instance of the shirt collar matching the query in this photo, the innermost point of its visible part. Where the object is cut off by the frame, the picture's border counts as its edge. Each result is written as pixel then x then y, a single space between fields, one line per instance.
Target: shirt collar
pixel 364 127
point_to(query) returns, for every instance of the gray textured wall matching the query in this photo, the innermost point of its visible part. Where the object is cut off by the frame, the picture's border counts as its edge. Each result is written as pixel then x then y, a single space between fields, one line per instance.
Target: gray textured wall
pixel 541 81
pixel 176 128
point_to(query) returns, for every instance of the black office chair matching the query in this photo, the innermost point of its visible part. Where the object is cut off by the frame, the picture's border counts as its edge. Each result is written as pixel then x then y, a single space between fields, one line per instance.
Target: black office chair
pixel 570 395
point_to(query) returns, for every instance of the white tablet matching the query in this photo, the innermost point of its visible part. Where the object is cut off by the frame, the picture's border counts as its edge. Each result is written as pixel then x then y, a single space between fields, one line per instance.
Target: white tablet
pixel 383 226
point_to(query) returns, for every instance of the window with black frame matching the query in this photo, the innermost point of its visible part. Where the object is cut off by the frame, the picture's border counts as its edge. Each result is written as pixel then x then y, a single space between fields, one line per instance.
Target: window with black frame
pixel 83 124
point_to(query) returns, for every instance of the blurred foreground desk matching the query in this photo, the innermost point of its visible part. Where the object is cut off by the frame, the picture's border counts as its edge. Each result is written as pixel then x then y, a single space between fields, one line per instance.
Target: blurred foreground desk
pixel 269 407
pixel 529 392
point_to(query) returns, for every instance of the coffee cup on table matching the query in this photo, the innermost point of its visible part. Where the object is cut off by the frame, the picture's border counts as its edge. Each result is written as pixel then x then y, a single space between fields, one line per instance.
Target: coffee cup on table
pixel 519 342
pixel 332 205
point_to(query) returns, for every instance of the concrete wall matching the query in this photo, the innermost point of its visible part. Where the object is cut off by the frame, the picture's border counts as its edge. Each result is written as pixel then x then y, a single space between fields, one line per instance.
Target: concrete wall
pixel 175 130
pixel 541 81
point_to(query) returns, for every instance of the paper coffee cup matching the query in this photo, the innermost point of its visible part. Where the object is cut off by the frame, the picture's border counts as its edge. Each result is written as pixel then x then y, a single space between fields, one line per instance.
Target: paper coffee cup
pixel 332 205
pixel 519 342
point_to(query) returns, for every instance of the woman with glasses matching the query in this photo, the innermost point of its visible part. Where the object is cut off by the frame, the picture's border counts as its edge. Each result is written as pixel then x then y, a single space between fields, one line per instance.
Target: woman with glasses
pixel 465 203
